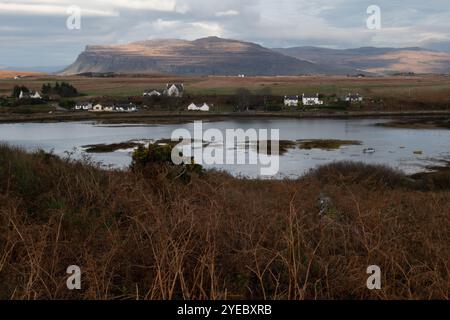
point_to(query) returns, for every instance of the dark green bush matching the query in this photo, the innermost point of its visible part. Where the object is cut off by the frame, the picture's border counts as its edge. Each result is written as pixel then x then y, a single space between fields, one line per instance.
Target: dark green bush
pixel 155 159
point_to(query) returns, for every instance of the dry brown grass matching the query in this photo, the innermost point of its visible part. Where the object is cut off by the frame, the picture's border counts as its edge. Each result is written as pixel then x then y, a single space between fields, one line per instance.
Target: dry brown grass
pixel 147 237
pixel 6 74
pixel 419 88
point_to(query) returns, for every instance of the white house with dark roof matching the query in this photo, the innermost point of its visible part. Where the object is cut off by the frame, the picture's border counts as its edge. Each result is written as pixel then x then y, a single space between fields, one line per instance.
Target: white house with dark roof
pixel 130 107
pixel 174 90
pixel 152 93
pixel 291 101
pixel 97 108
pixel 30 95
pixel 109 108
pixel 193 107
pixel 311 100
pixel 85 106
pixel 205 107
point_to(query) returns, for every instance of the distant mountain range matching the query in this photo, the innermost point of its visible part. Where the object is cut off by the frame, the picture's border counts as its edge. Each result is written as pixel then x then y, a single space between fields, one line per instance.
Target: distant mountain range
pixel 216 56
pixel 376 60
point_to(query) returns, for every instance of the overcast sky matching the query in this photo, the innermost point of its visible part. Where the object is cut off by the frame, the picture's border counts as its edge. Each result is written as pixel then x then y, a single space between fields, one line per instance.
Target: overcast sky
pixel 34 32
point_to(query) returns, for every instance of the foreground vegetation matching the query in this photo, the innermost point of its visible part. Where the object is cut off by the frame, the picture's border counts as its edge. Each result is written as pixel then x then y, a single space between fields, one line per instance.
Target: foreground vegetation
pixel 147 234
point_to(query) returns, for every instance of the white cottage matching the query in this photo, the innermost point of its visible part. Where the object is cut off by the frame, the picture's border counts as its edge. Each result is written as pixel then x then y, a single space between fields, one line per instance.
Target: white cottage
pixel 311 100
pixel 109 108
pixel 97 108
pixel 131 107
pixel 152 93
pixel 31 95
pixel 85 106
pixel 174 90
pixel 205 108
pixel 291 101
pixel 193 107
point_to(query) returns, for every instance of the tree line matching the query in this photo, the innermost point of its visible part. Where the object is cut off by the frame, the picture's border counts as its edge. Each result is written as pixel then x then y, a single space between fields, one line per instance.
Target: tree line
pixel 63 89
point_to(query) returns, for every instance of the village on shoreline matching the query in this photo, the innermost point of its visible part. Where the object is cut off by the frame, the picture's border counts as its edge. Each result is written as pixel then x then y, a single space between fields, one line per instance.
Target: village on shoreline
pixel 161 99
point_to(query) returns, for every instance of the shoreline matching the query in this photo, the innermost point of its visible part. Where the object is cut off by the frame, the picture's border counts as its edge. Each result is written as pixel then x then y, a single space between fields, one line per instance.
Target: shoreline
pixel 172 117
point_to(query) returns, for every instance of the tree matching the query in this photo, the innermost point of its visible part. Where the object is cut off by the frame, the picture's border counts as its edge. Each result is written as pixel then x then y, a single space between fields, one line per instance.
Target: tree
pixel 64 89
pixel 18 89
pixel 265 92
pixel 156 159
pixel 67 90
pixel 243 99
pixel 46 88
pixel 3 102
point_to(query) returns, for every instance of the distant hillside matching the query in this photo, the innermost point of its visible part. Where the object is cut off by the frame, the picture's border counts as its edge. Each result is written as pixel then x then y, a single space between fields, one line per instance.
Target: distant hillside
pixel 376 60
pixel 7 74
pixel 207 56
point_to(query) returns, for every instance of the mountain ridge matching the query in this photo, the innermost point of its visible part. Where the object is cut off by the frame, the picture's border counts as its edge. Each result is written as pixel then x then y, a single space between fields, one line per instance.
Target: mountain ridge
pixel 205 56
pixel 376 60
pixel 227 57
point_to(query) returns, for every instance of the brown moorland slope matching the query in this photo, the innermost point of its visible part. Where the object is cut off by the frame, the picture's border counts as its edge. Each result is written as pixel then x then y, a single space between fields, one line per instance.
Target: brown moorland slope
pixel 146 236
pixel 7 74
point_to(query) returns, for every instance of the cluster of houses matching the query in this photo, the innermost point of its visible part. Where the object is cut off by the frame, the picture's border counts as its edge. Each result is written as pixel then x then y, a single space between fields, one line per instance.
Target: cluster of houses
pixel 29 95
pixel 175 90
pixel 353 98
pixel 87 106
pixel 193 107
pixel 314 99
pixel 307 100
pixel 172 90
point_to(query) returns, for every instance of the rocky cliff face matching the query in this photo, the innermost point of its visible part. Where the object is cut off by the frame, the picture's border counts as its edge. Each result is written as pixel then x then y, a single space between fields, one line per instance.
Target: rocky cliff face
pixel 208 56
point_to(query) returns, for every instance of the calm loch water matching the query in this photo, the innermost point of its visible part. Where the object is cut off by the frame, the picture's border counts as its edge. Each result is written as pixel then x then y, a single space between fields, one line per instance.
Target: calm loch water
pixel 394 147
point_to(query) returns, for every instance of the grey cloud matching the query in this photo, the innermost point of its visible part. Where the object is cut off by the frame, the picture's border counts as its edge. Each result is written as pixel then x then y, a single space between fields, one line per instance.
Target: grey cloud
pixel 42 39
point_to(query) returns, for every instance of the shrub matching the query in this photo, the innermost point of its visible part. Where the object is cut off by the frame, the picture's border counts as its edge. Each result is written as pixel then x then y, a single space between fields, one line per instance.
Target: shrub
pixel 18 89
pixel 358 172
pixel 68 104
pixel 156 159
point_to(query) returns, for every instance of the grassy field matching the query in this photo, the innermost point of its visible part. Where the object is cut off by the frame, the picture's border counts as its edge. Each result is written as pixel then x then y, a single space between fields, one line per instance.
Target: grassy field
pixel 144 235
pixel 423 88
pixel 27 110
